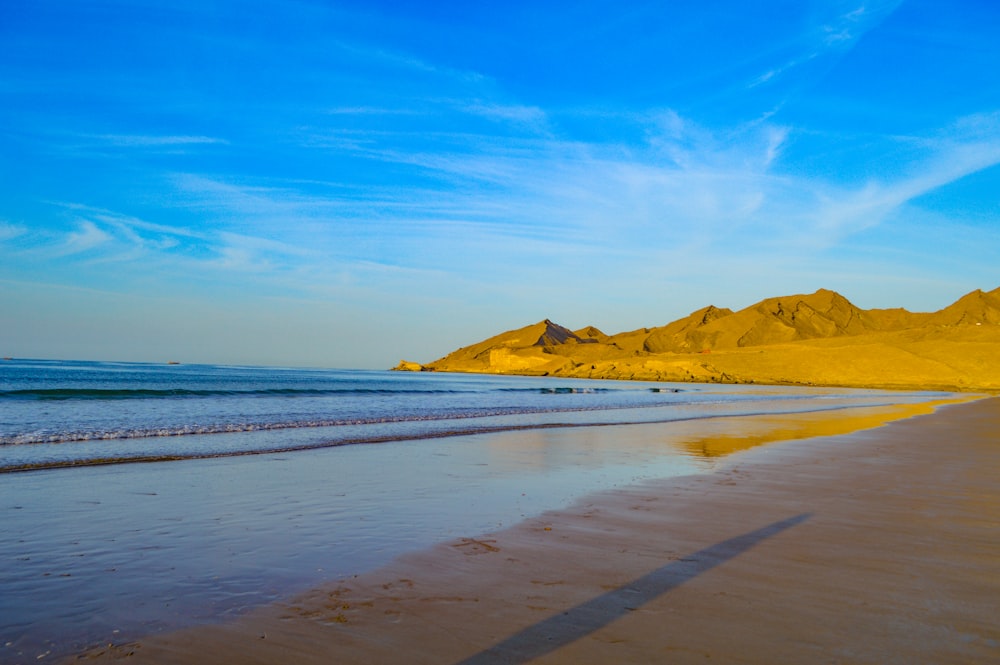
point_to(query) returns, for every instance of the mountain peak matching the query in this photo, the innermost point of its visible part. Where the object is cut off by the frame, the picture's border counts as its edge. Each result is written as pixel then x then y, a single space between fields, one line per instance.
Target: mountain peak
pixel 591 332
pixel 553 334
pixel 976 307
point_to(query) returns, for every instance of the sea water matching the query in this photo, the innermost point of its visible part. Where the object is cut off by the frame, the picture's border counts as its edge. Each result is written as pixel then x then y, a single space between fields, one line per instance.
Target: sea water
pixel 260 482
pixel 56 414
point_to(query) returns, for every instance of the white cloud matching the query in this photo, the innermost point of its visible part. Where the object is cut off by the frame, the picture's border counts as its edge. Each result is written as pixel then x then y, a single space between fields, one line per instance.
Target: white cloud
pixel 776 72
pixel 408 62
pixel 691 187
pixel 371 110
pixel 131 225
pixel 254 202
pixel 851 25
pixel 124 237
pixel 776 137
pixel 833 36
pixel 10 231
pixel 245 253
pixel 153 140
pixel 87 237
pixel 971 145
pixel 531 116
pixel 687 200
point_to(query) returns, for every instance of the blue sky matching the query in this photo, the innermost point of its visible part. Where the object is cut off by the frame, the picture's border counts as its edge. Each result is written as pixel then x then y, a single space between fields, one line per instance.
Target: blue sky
pixel 345 184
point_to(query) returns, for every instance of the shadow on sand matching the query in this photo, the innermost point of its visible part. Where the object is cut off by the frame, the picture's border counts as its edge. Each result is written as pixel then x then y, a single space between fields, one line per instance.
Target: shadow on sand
pixel 577 622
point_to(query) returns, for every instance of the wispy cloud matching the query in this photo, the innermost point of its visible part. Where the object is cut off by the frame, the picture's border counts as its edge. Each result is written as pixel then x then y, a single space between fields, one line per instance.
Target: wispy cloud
pixel 10 231
pixel 125 221
pixel 849 26
pixel 371 110
pixel 775 73
pixel 407 62
pixel 86 237
pixel 843 29
pixel 834 35
pixel 776 137
pixel 153 140
pixel 483 205
pixel 970 145
pixel 143 250
pixel 251 254
pixel 689 187
pixel 258 202
pixel 531 116
pixel 99 236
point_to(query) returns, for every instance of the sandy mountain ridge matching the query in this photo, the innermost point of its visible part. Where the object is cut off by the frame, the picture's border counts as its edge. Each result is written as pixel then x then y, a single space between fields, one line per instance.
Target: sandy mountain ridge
pixel 815 339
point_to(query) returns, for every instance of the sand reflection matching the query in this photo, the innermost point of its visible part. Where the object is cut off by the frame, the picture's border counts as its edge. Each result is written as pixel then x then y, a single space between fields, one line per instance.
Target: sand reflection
pixel 702 439
pixel 719 437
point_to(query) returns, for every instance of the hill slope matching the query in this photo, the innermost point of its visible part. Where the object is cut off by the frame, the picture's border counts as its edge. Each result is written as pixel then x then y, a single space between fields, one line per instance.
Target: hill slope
pixel 813 339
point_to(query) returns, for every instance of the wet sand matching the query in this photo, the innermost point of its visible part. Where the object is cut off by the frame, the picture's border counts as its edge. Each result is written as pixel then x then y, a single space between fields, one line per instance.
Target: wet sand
pixel 881 546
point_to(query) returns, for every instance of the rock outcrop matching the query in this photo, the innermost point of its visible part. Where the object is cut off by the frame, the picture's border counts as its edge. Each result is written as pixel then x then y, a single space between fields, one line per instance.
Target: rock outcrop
pixel 407 366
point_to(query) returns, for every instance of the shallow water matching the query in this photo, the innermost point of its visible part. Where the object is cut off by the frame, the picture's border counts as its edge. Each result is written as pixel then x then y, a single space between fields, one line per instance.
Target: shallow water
pixel 103 554
pixel 55 414
pixel 93 555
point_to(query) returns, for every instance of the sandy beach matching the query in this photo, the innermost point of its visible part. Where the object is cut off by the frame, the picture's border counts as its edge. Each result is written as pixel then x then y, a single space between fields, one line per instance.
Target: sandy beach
pixel 880 546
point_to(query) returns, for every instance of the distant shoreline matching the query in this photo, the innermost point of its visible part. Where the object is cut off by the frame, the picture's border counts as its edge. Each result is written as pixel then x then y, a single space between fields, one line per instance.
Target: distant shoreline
pixel 902 387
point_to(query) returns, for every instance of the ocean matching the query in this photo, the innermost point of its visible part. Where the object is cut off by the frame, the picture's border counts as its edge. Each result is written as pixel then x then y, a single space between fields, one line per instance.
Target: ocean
pixel 138 498
pixel 56 414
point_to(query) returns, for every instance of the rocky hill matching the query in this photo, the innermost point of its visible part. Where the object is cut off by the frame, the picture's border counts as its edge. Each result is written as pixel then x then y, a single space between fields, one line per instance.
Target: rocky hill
pixel 815 339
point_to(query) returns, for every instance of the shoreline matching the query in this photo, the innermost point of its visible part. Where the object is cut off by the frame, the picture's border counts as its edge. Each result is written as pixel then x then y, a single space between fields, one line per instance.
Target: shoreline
pixel 865 547
pixel 915 386
pixel 112 553
pixel 322 436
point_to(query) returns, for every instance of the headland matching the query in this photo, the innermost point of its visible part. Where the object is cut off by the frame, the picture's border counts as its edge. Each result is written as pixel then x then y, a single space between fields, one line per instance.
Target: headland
pixel 818 339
